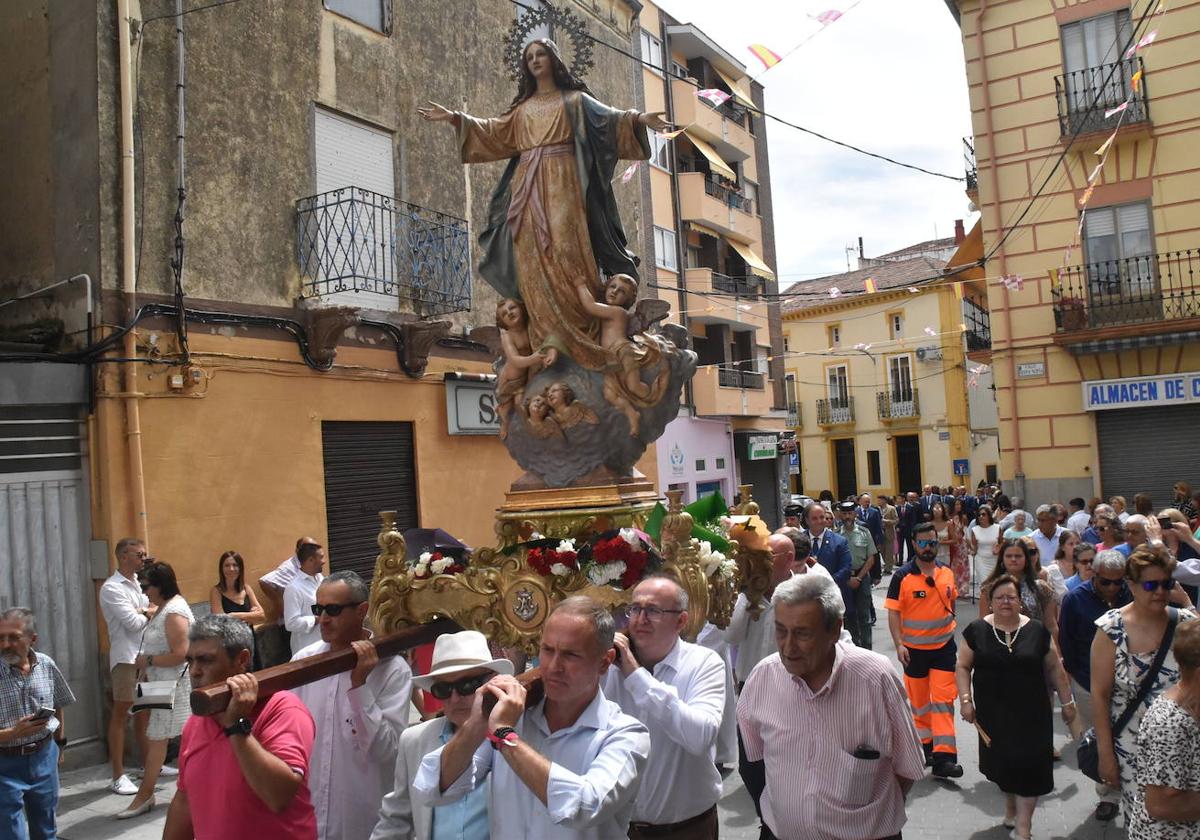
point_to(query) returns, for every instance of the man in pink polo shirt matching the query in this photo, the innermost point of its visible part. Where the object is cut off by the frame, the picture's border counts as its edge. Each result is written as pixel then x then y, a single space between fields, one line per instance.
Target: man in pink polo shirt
pixel 241 774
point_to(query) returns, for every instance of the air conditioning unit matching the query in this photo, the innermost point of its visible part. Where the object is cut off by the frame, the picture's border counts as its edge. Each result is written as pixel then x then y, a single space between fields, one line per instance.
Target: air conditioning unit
pixel 929 354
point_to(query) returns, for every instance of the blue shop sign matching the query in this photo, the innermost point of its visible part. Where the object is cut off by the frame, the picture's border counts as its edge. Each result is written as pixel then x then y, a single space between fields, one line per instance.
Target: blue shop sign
pixel 1141 391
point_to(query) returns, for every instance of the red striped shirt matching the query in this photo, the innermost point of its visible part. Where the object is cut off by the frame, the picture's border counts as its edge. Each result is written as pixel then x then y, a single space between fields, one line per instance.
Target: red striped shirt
pixel 816 788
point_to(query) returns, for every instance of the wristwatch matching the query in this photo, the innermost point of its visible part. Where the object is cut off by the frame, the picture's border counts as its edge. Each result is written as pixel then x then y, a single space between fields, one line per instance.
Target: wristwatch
pixel 241 726
pixel 504 736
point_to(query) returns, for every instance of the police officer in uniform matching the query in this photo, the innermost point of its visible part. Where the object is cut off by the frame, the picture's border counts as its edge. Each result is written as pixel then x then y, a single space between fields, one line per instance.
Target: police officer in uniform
pixel 864 555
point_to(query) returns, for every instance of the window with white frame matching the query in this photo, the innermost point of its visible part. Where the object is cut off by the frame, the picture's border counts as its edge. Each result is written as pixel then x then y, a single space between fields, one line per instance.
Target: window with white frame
pixel 1089 45
pixel 679 70
pixel 900 378
pixel 751 191
pixel 652 52
pixel 373 14
pixel 660 151
pixel 835 335
pixel 1113 239
pixel 838 380
pixel 664 249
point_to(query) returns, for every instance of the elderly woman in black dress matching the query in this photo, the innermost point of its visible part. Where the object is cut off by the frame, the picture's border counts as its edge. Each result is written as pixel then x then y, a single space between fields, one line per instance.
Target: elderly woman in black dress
pixel 1003 672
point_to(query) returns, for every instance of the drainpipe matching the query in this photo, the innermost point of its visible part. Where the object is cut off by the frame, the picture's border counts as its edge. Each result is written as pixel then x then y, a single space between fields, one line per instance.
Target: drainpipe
pixel 133 425
pixel 1019 472
pixel 680 235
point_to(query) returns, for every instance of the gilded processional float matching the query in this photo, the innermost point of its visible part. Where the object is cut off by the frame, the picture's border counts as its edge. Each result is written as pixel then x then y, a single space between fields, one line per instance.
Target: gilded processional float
pixel 588 377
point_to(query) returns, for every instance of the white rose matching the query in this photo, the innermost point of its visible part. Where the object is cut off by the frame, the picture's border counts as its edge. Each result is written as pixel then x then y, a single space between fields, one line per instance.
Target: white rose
pixel 630 536
pixel 560 570
pixel 566 545
pixel 596 574
pixel 615 570
pixel 439 566
pixel 425 558
pixel 728 568
pixel 421 569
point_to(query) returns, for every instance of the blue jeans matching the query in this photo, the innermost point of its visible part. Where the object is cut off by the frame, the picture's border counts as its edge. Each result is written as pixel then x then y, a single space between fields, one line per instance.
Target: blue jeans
pixel 29 790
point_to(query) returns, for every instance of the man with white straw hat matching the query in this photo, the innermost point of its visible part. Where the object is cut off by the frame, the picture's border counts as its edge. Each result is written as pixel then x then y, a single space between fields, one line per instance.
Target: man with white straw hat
pixel 461 664
pixel 566 767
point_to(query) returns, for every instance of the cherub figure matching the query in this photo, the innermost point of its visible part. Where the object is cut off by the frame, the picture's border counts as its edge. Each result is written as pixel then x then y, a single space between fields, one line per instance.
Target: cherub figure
pixel 519 358
pixel 567 411
pixel 627 352
pixel 541 423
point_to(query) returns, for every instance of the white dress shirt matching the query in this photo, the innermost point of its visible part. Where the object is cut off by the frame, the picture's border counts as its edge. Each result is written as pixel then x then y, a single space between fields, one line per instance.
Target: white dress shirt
pixel 1079 521
pixel 596 767
pixel 713 637
pixel 354 754
pixel 298 599
pixel 681 703
pixel 281 576
pixel 1047 546
pixel 121 601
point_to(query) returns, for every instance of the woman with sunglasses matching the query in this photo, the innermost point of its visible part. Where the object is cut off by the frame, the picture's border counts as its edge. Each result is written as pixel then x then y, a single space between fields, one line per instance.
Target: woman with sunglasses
pixel 1123 654
pixel 1083 555
pixel 1003 673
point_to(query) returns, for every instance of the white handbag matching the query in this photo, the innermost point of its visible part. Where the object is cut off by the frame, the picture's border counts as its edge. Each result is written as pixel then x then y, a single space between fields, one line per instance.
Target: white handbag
pixel 155 694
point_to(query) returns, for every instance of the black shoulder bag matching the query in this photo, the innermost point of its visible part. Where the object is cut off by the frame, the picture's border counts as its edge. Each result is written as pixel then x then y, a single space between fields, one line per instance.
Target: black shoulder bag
pixel 1088 750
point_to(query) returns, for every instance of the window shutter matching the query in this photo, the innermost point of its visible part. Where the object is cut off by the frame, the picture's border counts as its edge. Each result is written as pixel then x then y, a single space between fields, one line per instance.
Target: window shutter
pixel 1133 218
pixel 1074 57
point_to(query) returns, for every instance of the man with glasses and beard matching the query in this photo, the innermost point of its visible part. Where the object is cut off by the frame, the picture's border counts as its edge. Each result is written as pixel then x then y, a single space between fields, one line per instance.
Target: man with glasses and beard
pixel 461 664
pixel 678 690
pixel 1106 590
pixel 920 604
pixel 359 714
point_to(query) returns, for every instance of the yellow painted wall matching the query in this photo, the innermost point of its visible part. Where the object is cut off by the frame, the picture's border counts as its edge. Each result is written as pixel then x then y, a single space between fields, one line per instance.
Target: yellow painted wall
pixel 238 465
pixel 1045 434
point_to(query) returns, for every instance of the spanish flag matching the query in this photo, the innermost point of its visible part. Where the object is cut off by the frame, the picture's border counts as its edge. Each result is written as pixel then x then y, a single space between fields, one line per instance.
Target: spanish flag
pixel 766 56
pixel 869 286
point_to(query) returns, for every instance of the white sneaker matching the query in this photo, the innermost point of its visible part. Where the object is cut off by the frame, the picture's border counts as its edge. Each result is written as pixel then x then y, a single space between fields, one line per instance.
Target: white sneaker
pixel 167 771
pixel 123 786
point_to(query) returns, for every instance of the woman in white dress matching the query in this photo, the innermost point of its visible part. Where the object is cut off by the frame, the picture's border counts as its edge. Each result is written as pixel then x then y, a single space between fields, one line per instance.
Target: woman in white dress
pixel 163 657
pixel 984 544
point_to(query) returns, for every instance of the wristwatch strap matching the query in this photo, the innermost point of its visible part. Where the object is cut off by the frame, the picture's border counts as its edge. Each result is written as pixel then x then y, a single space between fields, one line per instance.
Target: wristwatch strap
pixel 504 736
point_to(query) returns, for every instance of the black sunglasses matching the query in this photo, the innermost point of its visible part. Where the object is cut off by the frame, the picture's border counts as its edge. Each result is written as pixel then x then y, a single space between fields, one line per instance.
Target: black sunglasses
pixel 1103 581
pixel 1153 585
pixel 465 687
pixel 334 610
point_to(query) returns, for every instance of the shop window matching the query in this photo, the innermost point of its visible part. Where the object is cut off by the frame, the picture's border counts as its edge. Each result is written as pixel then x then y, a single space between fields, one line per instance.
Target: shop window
pixel 874 472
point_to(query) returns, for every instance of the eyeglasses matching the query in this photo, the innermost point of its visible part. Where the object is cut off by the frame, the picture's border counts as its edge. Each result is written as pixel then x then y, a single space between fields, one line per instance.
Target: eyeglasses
pixel 1000 598
pixel 1103 581
pixel 651 612
pixel 334 610
pixel 925 543
pixel 465 687
pixel 1153 585
pixel 1083 562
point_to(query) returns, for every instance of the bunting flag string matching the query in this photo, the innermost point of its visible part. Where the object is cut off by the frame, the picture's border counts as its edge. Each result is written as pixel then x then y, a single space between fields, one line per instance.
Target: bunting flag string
pixel 716 96
pixel 767 56
pixel 959 289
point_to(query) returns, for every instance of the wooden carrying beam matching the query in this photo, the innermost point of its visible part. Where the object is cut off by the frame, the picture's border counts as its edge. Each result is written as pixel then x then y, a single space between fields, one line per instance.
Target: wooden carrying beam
pixel 213 699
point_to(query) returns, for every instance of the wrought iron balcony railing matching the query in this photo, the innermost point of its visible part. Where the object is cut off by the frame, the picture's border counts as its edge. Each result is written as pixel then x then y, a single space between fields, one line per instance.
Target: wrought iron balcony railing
pixel 978 321
pixel 793 415
pixel 969 165
pixel 748 287
pixel 355 240
pixel 733 378
pixel 898 404
pixel 1084 96
pixel 833 412
pixel 1133 290
pixel 729 197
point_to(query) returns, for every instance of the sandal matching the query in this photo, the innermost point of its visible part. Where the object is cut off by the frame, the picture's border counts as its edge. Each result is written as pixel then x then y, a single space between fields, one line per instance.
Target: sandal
pixel 1107 811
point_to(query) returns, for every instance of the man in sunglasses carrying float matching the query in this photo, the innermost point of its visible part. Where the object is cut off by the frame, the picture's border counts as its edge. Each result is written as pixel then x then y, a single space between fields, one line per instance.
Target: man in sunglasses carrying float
pixel 678 690
pixel 920 604
pixel 461 664
pixel 359 714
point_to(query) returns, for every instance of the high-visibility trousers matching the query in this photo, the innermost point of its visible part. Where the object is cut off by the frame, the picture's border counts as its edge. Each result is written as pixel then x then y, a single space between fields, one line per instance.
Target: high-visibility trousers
pixel 929 680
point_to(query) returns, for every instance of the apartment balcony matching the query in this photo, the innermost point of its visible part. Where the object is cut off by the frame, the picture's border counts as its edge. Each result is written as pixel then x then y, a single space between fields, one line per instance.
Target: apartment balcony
pixel 898 404
pixel 702 199
pixel 794 418
pixel 360 248
pixel 835 412
pixel 971 169
pixel 1144 290
pixel 727 391
pixel 714 124
pixel 978 321
pixel 1085 96
pixel 731 300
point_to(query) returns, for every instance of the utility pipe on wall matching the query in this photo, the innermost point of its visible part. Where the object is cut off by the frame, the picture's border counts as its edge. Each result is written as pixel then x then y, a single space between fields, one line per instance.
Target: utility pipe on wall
pixel 133 426
pixel 994 177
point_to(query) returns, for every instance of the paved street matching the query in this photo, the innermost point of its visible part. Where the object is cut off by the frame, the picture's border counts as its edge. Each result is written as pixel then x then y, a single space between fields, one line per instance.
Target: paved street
pixel 970 807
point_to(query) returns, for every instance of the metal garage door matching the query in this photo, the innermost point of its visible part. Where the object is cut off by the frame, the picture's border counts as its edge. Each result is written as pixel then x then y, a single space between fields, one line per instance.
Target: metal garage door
pixel 368 468
pixel 1146 450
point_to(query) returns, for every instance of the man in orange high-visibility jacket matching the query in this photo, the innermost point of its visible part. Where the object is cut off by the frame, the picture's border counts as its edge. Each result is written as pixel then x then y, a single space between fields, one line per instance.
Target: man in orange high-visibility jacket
pixel 920 605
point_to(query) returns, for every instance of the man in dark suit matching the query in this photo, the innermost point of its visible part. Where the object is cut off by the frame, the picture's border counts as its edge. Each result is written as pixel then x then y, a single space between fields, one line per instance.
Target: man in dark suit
pixel 870 516
pixel 910 514
pixel 929 497
pixel 831 551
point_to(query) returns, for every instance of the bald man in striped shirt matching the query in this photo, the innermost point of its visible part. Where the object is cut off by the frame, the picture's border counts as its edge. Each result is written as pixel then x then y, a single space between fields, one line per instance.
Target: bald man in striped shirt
pixel 839 762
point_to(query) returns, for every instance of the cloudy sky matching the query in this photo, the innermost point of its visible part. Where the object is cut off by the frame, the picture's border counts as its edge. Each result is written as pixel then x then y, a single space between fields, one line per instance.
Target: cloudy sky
pixel 888 76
